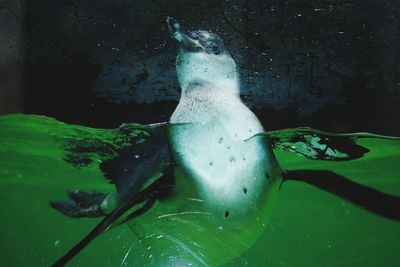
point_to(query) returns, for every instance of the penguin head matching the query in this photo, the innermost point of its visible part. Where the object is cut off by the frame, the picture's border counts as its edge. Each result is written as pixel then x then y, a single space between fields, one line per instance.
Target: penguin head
pixel 203 58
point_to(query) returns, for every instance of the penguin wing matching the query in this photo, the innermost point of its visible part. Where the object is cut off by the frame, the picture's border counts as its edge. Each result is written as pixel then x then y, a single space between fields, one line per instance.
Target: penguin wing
pixel 51 154
pixel 125 155
pixel 146 155
pixel 131 157
pixel 319 145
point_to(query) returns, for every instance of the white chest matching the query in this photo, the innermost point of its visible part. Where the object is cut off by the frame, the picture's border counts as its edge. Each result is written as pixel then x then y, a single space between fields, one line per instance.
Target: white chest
pixel 230 172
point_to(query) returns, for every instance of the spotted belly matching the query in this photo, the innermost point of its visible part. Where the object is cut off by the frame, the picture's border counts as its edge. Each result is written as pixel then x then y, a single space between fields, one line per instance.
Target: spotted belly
pixel 231 175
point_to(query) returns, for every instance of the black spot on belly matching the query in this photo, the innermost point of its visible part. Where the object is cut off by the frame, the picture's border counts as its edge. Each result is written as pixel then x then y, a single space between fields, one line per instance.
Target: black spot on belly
pixel 226 214
pixel 267 175
pixel 245 190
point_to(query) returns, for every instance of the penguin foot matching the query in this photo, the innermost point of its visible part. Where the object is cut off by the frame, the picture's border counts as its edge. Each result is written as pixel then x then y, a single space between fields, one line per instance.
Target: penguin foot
pixel 81 204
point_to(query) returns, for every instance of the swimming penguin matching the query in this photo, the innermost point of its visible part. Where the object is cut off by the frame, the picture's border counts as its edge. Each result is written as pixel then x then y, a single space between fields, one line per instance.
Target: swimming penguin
pixel 213 143
pixel 210 168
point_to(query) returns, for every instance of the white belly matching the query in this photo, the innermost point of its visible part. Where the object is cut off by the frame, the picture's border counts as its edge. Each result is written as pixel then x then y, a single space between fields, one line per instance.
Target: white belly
pixel 231 174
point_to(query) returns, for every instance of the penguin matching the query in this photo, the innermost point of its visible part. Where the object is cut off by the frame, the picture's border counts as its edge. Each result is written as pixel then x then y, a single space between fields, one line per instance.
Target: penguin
pixel 211 163
pixel 213 143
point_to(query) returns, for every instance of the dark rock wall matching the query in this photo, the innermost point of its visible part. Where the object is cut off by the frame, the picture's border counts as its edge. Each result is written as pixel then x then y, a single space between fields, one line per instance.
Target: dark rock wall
pixel 11 55
pixel 327 64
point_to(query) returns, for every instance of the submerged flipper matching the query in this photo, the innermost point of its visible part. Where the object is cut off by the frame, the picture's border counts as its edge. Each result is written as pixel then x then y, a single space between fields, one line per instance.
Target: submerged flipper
pixel 146 158
pixel 375 201
pixel 141 173
pixel 130 169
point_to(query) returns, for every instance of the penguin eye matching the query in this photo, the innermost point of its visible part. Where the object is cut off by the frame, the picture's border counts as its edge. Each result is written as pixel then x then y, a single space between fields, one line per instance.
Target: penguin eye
pixel 215 49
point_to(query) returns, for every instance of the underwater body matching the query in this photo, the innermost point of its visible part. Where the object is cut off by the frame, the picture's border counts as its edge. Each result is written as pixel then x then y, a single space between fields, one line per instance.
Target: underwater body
pixel 41 158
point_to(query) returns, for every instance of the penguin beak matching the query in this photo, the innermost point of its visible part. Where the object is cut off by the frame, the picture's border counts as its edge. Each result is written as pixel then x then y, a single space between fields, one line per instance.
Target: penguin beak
pixel 184 39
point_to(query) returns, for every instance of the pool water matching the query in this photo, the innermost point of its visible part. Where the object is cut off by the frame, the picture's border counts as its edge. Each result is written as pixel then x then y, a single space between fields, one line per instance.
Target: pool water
pixel 40 158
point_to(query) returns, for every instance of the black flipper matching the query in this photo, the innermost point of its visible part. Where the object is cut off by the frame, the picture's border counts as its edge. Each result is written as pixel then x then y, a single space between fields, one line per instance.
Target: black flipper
pixel 148 196
pixel 129 169
pixel 375 201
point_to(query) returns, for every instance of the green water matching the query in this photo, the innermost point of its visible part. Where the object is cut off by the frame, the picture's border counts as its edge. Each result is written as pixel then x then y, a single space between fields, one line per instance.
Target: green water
pixel 40 158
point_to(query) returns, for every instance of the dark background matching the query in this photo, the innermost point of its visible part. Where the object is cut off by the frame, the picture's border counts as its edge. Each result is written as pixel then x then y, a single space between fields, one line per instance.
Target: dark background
pixel 332 65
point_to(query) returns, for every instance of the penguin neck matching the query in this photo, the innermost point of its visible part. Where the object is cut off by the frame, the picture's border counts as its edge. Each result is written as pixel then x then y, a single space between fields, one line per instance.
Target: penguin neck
pixel 201 90
pixel 202 70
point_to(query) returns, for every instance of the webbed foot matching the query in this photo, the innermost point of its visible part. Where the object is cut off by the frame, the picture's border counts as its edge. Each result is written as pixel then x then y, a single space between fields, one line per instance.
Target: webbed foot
pixel 81 204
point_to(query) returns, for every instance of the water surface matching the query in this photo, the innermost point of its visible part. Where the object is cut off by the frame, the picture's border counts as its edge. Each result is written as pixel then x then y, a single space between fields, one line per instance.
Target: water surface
pixel 40 158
